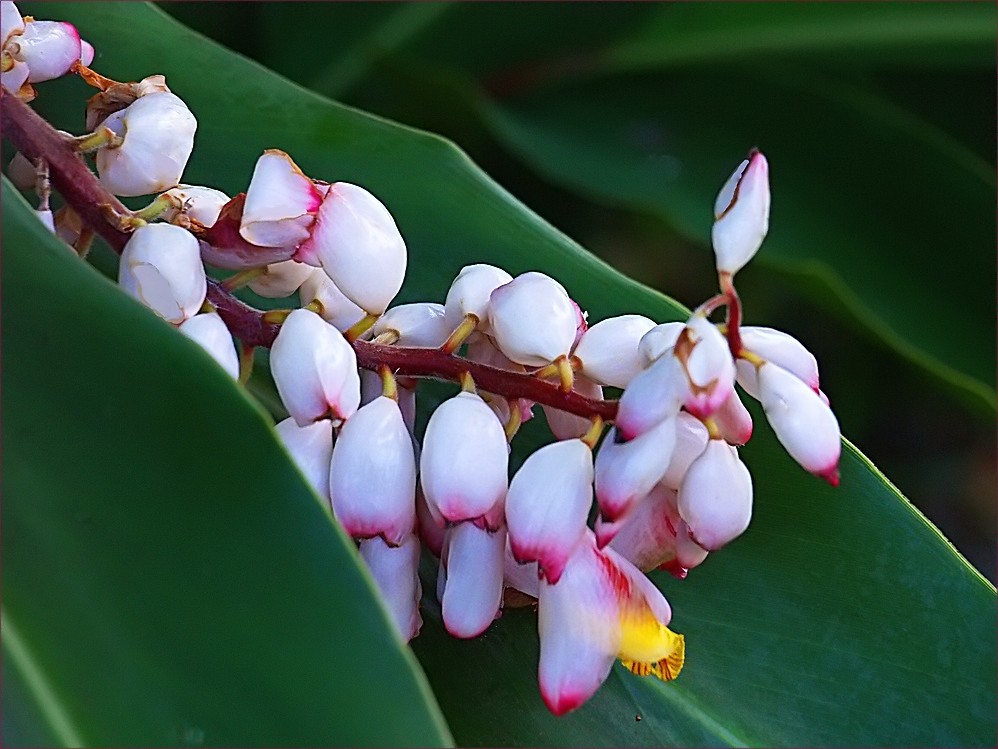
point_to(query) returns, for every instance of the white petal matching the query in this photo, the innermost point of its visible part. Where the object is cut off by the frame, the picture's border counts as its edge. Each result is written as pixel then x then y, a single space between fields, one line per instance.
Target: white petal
pixel 396 572
pixel 469 293
pixel 161 267
pixel 209 332
pixel 521 577
pixel 742 215
pixel 609 350
pixel 566 426
pixel 653 395
pixel 715 498
pixel 646 537
pixel 358 245
pixel 86 52
pixel 315 369
pixel 11 21
pixel 533 320
pixel 337 310
pixel 17 76
pixel 659 339
pixel 689 553
pixel 709 366
pixel 311 448
pixel 158 131
pixel 464 460
pixel 733 420
pixel 803 423
pixel 473 590
pixel 281 202
pixel 203 204
pixel 691 439
pixel 420 325
pixel 627 471
pixel 48 48
pixel 372 475
pixel 281 279
pixel 548 503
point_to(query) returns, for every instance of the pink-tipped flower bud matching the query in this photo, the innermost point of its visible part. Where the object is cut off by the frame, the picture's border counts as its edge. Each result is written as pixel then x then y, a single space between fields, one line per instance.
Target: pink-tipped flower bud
pixel 281 202
pixel 356 242
pixel 473 573
pixel 396 572
pixel 627 471
pixel 311 448
pixel 464 462
pixel 709 367
pixel 741 214
pixel 314 369
pixel 733 421
pixel 470 291
pixel 655 394
pixel 161 267
pixel 210 333
pixel 419 325
pixel 691 439
pixel 548 503
pixel 781 349
pixel 533 319
pixel 715 498
pixel 281 279
pixel 48 48
pixel 609 351
pixel 337 310
pixel 203 204
pixel 659 339
pixel 158 131
pixel 803 423
pixel 372 475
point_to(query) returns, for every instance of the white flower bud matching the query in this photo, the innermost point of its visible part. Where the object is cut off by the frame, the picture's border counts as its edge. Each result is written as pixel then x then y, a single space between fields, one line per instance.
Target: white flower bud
pixel 337 310
pixel 691 439
pixel 203 204
pixel 609 350
pixel 548 503
pixel 533 319
pixel 161 267
pixel 48 48
pixel 356 242
pixel 566 426
pixel 715 498
pixel 733 420
pixel 654 395
pixel 660 339
pixel 86 52
pixel 419 325
pixel 627 471
pixel 372 475
pixel 470 291
pixel 281 202
pixel 158 131
pixel 781 349
pixel 311 448
pixel 396 572
pixel 689 553
pixel 11 21
pixel 211 334
pixel 803 423
pixel 473 577
pixel 281 279
pixel 314 369
pixel 464 461
pixel 741 214
pixel 709 366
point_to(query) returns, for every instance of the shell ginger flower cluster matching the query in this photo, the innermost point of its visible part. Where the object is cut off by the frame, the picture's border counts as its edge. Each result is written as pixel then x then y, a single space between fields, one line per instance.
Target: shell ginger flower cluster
pixel 653 480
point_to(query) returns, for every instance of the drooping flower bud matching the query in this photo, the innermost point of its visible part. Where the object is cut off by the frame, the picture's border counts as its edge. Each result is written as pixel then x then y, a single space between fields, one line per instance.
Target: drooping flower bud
pixel 741 214
pixel 464 461
pixel 281 279
pixel 627 471
pixel 396 572
pixel 469 294
pixel 609 351
pixel 691 439
pixel 715 498
pixel 315 369
pixel 48 48
pixel 655 394
pixel 733 420
pixel 689 553
pixel 660 339
pixel 281 202
pixel 803 423
pixel 566 426
pixel 419 325
pixel 533 319
pixel 311 448
pixel 158 131
pixel 473 573
pixel 337 310
pixel 548 503
pixel 209 332
pixel 781 349
pixel 372 475
pixel 203 204
pixel 161 267
pixel 709 367
pixel 356 242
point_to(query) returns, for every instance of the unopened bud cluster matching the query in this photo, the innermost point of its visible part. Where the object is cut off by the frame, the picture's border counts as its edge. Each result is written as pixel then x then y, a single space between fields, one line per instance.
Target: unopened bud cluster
pixel 667 478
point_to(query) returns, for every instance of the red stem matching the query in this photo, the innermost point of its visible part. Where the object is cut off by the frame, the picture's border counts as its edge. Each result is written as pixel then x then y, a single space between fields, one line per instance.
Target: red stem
pixel 37 139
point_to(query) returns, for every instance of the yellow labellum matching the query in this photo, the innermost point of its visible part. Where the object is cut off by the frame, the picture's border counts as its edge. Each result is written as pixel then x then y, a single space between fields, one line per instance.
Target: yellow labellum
pixel 666 668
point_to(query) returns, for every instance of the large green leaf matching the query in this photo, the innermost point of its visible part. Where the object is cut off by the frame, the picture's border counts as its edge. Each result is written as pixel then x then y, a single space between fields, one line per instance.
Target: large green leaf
pixel 791 639
pixel 168 577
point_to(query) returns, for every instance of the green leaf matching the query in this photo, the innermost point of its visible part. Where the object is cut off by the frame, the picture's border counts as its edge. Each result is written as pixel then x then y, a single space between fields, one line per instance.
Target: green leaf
pixel 789 632
pixel 168 577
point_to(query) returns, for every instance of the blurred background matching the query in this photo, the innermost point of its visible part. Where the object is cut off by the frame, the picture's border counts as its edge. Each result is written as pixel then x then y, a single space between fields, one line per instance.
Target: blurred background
pixel 618 122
